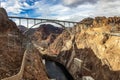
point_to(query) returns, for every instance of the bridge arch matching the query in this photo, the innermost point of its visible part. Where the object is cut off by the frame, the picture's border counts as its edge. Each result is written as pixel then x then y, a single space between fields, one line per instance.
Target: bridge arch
pixel 39 23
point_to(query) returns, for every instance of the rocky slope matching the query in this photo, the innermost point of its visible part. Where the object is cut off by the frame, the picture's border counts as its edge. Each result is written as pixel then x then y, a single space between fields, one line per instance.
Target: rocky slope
pixel 18 60
pixel 96 48
pixel 22 28
pixel 59 43
pixel 46 31
pixel 44 35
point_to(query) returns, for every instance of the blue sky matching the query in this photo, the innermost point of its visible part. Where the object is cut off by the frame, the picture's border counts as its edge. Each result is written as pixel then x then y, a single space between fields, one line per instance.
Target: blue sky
pixel 72 10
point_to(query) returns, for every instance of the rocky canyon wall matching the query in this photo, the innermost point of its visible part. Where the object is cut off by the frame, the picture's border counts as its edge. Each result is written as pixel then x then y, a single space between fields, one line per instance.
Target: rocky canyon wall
pixel 19 59
pixel 96 50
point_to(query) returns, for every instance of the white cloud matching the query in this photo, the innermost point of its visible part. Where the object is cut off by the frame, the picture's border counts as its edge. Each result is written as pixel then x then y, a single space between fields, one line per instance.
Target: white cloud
pixel 12 6
pixel 74 3
pixel 58 11
pixel 107 8
pixel 76 14
pixel 81 9
pixel 69 2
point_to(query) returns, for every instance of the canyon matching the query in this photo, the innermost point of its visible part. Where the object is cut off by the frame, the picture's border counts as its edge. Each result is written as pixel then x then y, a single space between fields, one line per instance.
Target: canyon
pixel 88 51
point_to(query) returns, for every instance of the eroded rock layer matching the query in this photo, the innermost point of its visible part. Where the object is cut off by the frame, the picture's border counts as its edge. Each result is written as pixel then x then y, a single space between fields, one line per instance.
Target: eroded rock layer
pixel 96 50
pixel 18 61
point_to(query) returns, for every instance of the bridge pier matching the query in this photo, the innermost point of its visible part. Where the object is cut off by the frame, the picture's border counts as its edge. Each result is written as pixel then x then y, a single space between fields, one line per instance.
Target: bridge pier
pixel 19 21
pixel 34 21
pixel 64 23
pixel 27 23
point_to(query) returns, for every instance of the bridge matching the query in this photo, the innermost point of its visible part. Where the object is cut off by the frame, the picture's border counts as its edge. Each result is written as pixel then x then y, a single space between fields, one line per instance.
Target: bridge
pixel 31 22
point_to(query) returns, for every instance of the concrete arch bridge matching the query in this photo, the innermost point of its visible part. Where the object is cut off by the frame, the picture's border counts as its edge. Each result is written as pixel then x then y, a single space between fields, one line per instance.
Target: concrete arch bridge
pixel 31 22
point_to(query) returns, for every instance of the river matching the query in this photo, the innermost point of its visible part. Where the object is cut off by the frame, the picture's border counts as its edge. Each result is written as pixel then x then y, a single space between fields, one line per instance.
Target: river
pixel 57 71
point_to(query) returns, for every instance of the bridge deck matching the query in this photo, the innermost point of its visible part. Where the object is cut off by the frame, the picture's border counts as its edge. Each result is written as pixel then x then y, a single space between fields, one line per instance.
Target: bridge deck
pixel 42 19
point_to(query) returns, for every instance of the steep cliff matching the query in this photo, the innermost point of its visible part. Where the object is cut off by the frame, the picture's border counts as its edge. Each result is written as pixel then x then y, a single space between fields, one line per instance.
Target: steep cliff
pixel 96 50
pixel 14 53
pixel 44 36
pixel 46 32
pixel 22 28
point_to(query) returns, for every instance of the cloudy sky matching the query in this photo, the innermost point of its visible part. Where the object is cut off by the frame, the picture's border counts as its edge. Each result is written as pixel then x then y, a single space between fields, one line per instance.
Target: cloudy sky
pixel 72 10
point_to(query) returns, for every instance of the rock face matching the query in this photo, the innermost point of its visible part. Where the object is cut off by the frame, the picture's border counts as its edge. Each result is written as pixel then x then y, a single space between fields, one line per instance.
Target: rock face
pixel 87 21
pixel 96 50
pixel 17 61
pixel 44 36
pixel 112 22
pixel 60 41
pixel 46 32
pixel 5 23
pixel 22 28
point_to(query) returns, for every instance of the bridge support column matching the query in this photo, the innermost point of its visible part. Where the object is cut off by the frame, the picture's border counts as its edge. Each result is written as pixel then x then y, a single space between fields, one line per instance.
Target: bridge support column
pixel 41 21
pixel 74 24
pixel 34 21
pixel 68 24
pixel 27 23
pixel 64 23
pixel 19 21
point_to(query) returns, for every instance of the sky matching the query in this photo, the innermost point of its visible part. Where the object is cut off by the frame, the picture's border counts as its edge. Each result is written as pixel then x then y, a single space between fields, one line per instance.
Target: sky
pixel 71 10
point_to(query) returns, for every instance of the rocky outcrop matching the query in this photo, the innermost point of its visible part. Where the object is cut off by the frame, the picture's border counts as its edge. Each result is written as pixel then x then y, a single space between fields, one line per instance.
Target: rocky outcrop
pixel 44 36
pixel 59 44
pixel 96 50
pixel 46 32
pixel 5 23
pixel 17 60
pixel 31 66
pixel 9 46
pixel 87 21
pixel 22 28
pixel 114 22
